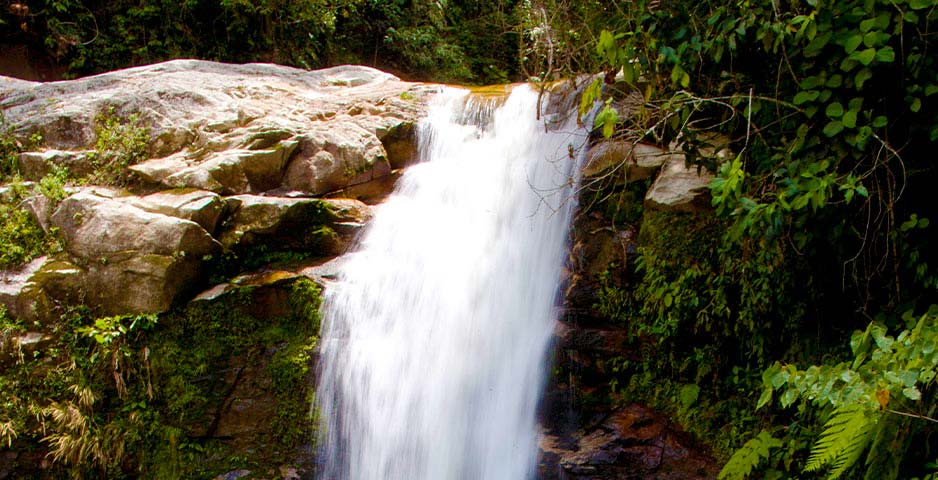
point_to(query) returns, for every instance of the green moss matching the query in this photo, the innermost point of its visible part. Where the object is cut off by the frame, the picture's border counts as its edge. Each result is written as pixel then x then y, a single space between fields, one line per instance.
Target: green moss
pixel 21 238
pixel 202 341
pixel 700 319
pixel 120 143
pixel 149 390
pixel 11 147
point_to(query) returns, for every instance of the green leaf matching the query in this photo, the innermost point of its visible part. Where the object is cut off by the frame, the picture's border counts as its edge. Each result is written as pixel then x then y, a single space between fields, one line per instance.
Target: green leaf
pixel 867 25
pixel 765 398
pixel 848 64
pixel 806 96
pixel 628 73
pixel 885 55
pixel 809 83
pixel 875 39
pixel 850 119
pixel 835 81
pixel 607 119
pixel 834 110
pixel 752 454
pixel 846 435
pixel 865 57
pixel 688 395
pixel 931 89
pixel 861 77
pixel 916 104
pixel 852 43
pixel 920 4
pixel 814 47
pixel 882 21
pixel 880 121
pixel 912 393
pixel 833 128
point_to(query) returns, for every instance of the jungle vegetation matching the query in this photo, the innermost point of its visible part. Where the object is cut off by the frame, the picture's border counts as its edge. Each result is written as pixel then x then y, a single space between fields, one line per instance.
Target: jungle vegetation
pixel 793 324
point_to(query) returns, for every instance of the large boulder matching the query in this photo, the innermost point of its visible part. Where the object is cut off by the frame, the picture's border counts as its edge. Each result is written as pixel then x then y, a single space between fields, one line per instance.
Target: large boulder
pixel 325 225
pixel 633 442
pixel 230 129
pixel 202 207
pixel 679 187
pixel 118 244
pixel 626 160
pixel 97 222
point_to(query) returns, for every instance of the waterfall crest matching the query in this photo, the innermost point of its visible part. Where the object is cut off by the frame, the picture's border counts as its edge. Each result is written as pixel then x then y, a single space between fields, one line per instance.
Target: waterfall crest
pixel 436 332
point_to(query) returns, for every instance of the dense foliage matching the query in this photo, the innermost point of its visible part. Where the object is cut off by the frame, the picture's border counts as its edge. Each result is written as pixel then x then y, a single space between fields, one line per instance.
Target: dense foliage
pixel 134 396
pixel 445 41
pixel 822 222
pixel 791 324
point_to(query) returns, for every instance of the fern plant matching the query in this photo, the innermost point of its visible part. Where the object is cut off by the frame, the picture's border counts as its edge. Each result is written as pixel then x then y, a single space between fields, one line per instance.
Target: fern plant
pixel 846 435
pixel 870 397
pixel 749 457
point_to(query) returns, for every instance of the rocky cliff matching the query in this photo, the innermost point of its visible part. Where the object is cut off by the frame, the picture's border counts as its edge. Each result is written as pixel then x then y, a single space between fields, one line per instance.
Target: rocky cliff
pixel 166 325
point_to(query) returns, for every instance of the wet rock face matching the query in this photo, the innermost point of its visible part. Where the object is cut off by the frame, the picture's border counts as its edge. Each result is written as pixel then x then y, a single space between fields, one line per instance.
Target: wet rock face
pixel 632 442
pixel 587 435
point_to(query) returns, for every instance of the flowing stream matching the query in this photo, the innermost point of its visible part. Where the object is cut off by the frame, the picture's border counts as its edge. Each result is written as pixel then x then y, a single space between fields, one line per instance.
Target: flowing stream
pixel 436 333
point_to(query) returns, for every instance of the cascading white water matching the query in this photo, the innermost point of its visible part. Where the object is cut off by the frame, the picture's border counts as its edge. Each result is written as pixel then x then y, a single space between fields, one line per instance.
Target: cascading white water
pixel 435 337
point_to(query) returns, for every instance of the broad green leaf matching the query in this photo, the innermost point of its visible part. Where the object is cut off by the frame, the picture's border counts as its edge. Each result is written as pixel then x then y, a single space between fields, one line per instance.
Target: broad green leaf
pixel 628 73
pixel 780 378
pixel 809 83
pixel 606 119
pixel 916 104
pixel 865 57
pixel 861 77
pixel 834 110
pixel 848 64
pixel 920 4
pixel 882 21
pixel 912 393
pixel 606 43
pixel 765 398
pixel 806 96
pixel 885 55
pixel 835 81
pixel 867 25
pixel 815 46
pixel 852 43
pixel 849 119
pixel 875 39
pixel 833 128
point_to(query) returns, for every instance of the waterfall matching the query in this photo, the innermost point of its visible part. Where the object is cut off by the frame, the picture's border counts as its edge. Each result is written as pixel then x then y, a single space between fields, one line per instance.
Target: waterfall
pixel 435 335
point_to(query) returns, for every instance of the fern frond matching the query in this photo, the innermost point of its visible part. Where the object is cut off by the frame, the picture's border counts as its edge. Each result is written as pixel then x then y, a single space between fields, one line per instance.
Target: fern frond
pixel 749 456
pixel 846 435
